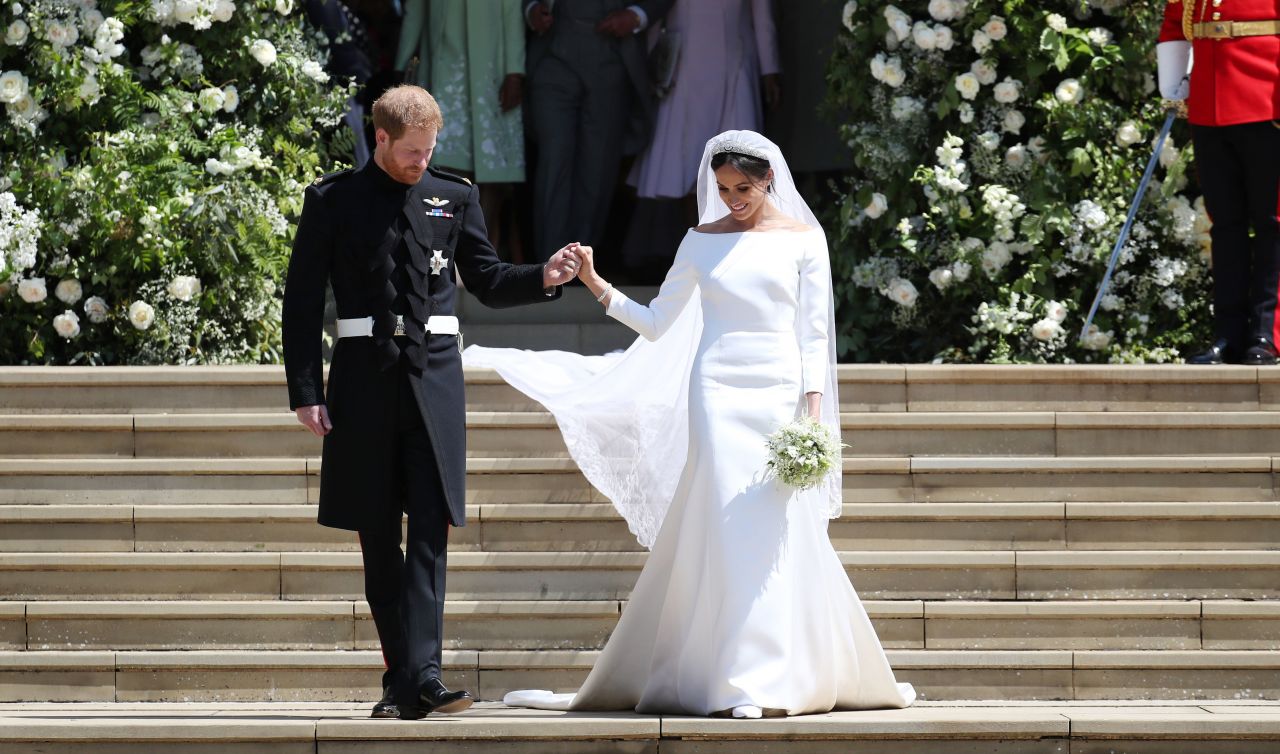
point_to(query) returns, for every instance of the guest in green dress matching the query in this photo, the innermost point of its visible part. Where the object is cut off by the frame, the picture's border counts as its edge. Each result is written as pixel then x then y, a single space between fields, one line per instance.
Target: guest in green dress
pixel 470 54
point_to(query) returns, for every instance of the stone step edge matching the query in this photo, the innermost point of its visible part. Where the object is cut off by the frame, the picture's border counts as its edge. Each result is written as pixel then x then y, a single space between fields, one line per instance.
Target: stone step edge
pixel 540 419
pixel 44 466
pixel 580 561
pixel 121 513
pixel 1224 609
pixel 905 374
pixel 455 659
pixel 207 724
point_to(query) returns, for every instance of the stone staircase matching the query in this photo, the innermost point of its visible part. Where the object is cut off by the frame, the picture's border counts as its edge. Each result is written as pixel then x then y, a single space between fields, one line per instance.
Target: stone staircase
pixel 1067 541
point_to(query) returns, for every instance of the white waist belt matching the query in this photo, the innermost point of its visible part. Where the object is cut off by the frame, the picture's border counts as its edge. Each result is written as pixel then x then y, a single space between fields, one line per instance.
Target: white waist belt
pixel 362 327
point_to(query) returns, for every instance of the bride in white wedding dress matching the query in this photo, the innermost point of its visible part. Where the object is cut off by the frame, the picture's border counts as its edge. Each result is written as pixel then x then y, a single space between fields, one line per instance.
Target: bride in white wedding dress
pixel 743 606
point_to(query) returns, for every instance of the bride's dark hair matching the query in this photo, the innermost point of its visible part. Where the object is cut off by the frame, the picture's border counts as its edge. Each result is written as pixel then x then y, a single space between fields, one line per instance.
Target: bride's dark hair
pixel 755 168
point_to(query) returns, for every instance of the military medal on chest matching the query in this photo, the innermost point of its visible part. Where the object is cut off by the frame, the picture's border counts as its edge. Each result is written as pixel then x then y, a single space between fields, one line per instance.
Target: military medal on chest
pixel 437 207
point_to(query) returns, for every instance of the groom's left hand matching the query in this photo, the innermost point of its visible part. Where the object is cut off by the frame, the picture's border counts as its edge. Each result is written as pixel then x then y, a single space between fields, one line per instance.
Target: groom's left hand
pixel 562 267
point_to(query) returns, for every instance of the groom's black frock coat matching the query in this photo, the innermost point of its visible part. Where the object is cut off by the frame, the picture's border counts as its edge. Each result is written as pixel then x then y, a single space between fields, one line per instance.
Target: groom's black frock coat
pixel 361 230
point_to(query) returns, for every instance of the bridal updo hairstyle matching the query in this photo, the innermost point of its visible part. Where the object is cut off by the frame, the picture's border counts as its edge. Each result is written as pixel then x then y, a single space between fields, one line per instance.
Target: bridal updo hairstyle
pixel 755 168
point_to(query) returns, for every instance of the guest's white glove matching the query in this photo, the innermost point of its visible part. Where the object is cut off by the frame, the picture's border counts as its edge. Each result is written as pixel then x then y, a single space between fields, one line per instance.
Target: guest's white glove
pixel 1173 65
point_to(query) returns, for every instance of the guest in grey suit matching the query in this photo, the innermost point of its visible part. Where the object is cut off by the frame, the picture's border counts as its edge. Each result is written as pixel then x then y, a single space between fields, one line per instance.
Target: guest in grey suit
pixel 590 100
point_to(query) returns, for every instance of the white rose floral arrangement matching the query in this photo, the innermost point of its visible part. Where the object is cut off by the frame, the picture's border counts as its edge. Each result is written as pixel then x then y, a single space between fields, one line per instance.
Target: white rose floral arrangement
pixel 803 452
pixel 997 147
pixel 152 157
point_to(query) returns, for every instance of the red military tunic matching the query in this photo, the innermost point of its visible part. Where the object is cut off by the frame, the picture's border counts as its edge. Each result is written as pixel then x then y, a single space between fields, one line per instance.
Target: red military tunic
pixel 1233 80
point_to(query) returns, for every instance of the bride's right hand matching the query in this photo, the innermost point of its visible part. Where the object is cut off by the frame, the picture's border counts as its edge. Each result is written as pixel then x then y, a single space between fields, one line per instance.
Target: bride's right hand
pixel 587 270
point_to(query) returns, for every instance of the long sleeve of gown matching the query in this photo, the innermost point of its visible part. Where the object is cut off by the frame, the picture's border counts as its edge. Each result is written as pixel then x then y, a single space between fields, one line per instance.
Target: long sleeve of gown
pixel 655 319
pixel 814 316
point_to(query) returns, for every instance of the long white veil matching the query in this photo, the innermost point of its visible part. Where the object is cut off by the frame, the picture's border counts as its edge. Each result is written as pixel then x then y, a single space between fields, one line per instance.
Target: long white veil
pixel 625 417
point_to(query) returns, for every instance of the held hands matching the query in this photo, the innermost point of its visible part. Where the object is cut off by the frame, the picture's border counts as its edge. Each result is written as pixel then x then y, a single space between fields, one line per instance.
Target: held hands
pixel 562 267
pixel 316 419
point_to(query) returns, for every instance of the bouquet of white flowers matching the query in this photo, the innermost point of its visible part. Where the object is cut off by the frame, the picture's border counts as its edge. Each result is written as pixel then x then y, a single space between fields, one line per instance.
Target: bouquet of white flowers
pixel 803 452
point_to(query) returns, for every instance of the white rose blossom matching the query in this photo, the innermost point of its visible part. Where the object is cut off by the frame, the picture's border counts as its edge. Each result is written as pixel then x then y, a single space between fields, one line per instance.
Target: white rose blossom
pixel 942 10
pixel 263 51
pixel 1046 330
pixel 184 287
pixel 284 7
pixel 211 99
pixel 961 269
pixel 1095 339
pixel 91 20
pixel 981 42
pixel 985 70
pixel 67 324
pixel 141 315
pixel 314 71
pixel 941 278
pixel 902 292
pixel 16 34
pixel 894 75
pixel 32 290
pixel 995 28
pixel 1128 134
pixel 13 86
pixel 230 98
pixel 1013 122
pixel 989 140
pixel 968 86
pixel 60 35
pixel 95 308
pixel 1069 92
pixel 1056 311
pixel 924 36
pixel 945 38
pixel 1016 157
pixel 846 16
pixel 68 291
pixel 899 22
pixel 877 206
pixel 223 10
pixel 1007 91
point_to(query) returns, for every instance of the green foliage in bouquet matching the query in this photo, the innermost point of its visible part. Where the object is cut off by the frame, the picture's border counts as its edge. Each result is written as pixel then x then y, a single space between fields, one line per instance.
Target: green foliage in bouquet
pixel 803 452
pixel 152 155
pixel 998 145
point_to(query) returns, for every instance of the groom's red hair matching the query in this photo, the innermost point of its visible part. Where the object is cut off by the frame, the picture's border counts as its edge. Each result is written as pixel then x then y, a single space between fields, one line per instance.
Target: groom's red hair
pixel 405 107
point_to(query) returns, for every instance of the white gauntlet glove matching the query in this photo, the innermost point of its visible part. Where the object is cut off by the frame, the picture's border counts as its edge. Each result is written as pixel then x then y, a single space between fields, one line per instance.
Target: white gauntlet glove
pixel 1173 65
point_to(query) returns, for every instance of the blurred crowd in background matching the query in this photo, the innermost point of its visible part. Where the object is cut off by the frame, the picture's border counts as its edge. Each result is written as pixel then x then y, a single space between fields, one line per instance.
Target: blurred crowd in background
pixel 585 120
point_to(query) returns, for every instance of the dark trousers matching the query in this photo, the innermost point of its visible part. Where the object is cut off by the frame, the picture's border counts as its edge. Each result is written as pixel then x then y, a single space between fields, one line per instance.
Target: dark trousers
pixel 1239 169
pixel 579 115
pixel 405 589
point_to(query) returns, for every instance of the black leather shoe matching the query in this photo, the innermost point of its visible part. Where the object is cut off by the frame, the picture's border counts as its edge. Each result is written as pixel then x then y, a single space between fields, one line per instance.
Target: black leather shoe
pixel 434 697
pixel 1260 353
pixel 386 708
pixel 1221 352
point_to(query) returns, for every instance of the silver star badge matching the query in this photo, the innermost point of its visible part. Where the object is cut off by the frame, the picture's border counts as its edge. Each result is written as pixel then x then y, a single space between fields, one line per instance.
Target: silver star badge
pixel 436 201
pixel 438 262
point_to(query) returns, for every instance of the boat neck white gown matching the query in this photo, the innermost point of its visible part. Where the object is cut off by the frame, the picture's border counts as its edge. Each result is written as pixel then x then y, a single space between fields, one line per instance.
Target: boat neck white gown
pixel 743 600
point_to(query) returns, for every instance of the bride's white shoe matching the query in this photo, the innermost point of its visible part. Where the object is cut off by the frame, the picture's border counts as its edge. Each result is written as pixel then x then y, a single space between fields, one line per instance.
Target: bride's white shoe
pixel 748 711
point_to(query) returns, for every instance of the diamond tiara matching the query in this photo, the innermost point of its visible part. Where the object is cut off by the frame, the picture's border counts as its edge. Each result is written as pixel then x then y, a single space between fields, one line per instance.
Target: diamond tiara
pixel 738 147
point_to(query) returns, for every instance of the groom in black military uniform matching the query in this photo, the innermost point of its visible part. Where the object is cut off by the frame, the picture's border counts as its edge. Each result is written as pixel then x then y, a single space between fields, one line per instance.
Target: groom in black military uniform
pixel 390 238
